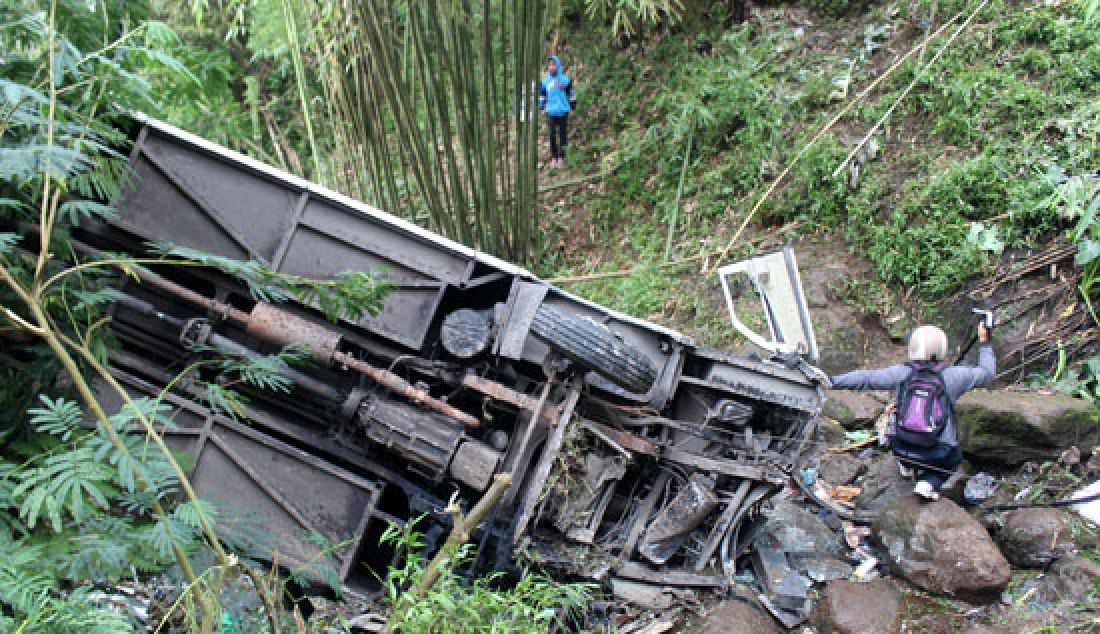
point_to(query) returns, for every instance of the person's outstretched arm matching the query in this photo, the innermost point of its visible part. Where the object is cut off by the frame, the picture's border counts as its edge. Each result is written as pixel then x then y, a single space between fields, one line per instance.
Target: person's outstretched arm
pixel 882 379
pixel 960 378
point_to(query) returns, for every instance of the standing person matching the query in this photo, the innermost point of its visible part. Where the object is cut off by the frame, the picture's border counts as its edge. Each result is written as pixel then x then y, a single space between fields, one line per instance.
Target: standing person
pixel 923 432
pixel 557 98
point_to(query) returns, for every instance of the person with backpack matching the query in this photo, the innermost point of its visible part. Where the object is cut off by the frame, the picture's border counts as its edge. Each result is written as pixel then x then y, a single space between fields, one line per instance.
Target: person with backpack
pixel 557 99
pixel 923 432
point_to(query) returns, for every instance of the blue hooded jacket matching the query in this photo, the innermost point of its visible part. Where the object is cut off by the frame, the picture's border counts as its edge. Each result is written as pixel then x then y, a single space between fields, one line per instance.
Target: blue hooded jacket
pixel 556 92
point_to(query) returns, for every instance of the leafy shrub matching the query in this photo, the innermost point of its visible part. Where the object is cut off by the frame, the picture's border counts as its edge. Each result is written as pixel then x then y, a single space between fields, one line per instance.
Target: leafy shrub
pixel 28 593
pixel 814 195
pixel 839 8
pixel 454 605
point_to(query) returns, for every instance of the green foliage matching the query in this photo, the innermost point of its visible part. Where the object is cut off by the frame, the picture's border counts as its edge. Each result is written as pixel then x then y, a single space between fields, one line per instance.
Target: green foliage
pixel 454 605
pixel 264 372
pixel 350 295
pixel 1082 382
pixel 31 603
pixel 924 241
pixel 74 479
pixel 645 293
pixel 94 503
pixel 839 8
pixel 627 18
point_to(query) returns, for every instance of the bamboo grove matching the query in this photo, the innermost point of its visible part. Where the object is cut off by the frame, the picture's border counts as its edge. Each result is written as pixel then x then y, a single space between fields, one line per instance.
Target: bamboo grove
pixel 429 108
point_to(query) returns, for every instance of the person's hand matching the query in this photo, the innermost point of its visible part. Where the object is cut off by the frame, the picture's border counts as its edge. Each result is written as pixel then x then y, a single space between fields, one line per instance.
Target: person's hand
pixel 983 332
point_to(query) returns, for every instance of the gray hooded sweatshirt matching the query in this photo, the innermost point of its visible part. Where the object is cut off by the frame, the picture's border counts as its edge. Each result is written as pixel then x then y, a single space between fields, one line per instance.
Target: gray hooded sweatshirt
pixel 957 379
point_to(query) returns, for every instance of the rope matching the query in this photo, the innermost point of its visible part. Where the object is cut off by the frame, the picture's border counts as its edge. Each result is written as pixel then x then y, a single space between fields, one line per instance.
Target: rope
pixel 851 104
pixel 905 93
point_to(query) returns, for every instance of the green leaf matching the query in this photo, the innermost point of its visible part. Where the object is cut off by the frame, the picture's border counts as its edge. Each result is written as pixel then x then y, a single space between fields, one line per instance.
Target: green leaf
pixel 192 513
pixel 1087 251
pixel 8 242
pixel 1089 218
pixel 58 417
pixel 986 238
pixel 22 163
pixel 74 211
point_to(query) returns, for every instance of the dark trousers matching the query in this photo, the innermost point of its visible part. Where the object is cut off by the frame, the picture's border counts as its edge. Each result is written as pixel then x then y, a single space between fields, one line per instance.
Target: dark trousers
pixel 558 138
pixel 933 464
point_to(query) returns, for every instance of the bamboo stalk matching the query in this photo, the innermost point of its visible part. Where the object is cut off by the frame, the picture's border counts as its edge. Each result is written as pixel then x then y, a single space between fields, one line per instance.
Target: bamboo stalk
pixel 421 95
pixel 675 212
pixel 300 79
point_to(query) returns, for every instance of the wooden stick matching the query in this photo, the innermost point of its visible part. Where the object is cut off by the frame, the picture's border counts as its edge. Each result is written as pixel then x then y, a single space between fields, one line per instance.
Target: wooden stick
pixel 460 532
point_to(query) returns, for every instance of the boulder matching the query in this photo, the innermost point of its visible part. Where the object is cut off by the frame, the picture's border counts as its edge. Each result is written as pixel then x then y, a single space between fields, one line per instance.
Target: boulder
pixel 841 348
pixel 738 616
pixel 1070 579
pixel 1014 427
pixel 1032 538
pixel 882 485
pixel 830 433
pixel 853 410
pixel 940 548
pixel 846 607
pixel 841 468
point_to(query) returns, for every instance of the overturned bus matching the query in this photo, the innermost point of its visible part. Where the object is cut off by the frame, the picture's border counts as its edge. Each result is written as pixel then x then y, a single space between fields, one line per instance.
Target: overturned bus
pixel 636 454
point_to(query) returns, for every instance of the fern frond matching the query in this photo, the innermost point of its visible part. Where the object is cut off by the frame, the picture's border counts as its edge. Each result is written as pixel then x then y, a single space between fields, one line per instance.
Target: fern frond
pixel 74 211
pixel 63 483
pixel 59 417
pixel 8 242
pixel 167 533
pixel 193 512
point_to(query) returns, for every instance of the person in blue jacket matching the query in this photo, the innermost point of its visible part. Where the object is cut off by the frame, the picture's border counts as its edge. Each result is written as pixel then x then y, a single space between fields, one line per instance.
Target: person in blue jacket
pixel 557 99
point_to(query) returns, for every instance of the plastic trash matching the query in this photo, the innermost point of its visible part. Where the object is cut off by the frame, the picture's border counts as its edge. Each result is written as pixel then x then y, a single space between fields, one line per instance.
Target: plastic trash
pixel 1088 510
pixel 979 488
pixel 228 625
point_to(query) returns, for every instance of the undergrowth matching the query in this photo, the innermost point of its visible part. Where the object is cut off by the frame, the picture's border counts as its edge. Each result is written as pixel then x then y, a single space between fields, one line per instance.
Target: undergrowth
pixel 962 175
pixel 490 604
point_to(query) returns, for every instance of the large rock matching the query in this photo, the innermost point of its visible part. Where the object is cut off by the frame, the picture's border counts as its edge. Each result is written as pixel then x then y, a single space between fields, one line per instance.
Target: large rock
pixel 1015 427
pixel 939 548
pixel 738 617
pixel 853 410
pixel 882 485
pixel 830 433
pixel 841 468
pixel 1032 538
pixel 847 607
pixel 841 348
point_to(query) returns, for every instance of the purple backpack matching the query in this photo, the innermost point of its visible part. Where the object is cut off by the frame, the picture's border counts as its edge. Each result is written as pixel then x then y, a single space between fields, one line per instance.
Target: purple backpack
pixel 924 409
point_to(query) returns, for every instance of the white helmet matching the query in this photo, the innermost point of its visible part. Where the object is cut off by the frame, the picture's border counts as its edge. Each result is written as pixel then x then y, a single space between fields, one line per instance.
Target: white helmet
pixel 927 343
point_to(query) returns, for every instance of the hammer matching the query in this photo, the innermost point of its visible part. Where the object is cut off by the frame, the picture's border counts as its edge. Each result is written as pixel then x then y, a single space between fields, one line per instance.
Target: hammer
pixel 988 320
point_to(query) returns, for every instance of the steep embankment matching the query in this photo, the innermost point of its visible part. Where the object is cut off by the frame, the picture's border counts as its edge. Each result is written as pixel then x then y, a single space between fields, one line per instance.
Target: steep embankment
pixel 991 108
